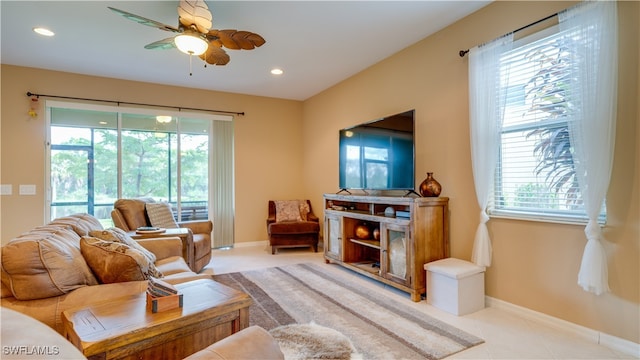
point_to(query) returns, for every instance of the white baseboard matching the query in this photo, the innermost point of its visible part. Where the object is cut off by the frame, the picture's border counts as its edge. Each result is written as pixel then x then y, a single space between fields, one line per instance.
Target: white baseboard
pixel 251 243
pixel 612 342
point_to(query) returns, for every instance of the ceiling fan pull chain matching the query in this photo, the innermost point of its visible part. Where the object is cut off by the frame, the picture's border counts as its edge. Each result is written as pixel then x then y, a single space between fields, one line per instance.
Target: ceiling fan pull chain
pixel 190 71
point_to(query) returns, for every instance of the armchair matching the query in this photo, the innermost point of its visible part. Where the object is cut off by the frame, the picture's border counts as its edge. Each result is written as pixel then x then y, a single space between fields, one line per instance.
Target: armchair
pixel 291 223
pixel 130 214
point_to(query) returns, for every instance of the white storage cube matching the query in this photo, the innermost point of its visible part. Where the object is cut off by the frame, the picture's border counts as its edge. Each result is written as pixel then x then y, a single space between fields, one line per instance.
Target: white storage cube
pixel 455 286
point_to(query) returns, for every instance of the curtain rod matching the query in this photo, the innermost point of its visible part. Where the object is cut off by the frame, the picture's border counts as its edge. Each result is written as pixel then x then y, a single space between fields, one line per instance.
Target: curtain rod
pixel 29 93
pixel 462 53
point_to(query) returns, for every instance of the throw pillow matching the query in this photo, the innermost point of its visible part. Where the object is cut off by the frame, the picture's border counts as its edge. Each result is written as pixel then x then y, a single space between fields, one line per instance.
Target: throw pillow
pixel 304 210
pixel 287 210
pixel 113 262
pixel 119 235
pixel 45 262
pixel 160 215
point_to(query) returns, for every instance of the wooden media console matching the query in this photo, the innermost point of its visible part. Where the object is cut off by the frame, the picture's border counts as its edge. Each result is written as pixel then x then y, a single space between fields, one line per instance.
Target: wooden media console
pixel 418 234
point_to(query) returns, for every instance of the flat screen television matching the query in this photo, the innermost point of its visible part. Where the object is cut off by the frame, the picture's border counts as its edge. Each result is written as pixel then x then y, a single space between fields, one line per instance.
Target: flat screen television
pixel 379 155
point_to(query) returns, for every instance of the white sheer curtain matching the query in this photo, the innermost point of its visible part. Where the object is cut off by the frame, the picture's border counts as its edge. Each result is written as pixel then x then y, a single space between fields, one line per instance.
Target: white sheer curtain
pixel 486 110
pixel 592 33
pixel 223 208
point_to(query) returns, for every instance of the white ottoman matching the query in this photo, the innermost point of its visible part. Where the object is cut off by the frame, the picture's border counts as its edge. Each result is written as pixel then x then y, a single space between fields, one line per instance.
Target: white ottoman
pixel 455 286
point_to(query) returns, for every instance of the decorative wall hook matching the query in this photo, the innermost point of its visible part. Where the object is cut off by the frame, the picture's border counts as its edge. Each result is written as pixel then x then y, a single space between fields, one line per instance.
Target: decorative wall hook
pixel 33 109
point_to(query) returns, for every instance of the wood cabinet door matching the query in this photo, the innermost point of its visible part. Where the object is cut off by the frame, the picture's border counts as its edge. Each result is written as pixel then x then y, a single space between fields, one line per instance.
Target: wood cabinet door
pixel 333 236
pixel 395 254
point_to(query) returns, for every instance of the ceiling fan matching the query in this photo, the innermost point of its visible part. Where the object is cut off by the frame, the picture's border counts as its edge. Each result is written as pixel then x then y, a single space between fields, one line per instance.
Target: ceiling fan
pixel 195 35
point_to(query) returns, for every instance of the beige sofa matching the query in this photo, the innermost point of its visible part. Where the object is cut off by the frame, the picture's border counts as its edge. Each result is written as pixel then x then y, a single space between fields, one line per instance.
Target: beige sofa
pixel 20 333
pixel 44 271
pixel 67 263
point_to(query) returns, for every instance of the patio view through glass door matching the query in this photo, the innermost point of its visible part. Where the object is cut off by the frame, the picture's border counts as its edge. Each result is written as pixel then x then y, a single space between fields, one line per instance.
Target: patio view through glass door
pixel 73 179
pixel 98 156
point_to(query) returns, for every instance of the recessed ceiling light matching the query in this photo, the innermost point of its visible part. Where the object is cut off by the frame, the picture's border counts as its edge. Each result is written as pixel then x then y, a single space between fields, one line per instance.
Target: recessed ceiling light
pixel 277 71
pixel 43 31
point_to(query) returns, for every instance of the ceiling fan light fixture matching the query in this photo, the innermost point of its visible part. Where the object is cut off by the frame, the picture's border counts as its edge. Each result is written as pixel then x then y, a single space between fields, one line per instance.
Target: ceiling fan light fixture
pixel 163 119
pixel 194 34
pixel 191 44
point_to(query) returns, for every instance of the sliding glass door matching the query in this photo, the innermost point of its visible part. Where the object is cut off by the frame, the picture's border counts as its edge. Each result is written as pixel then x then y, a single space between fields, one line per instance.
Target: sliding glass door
pixel 82 163
pixel 98 154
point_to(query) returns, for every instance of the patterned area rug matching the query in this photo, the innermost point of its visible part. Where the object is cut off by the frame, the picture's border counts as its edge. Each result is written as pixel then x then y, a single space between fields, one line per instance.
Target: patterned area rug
pixel 378 326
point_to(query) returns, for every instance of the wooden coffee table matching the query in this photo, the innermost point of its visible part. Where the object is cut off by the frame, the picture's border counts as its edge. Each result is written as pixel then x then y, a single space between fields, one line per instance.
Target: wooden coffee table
pixel 124 329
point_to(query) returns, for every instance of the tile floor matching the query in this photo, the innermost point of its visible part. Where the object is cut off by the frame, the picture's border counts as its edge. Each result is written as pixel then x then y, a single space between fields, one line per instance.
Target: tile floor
pixel 506 335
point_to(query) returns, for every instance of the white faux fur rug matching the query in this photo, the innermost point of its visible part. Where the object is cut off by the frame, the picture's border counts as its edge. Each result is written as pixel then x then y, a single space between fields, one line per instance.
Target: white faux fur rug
pixel 312 341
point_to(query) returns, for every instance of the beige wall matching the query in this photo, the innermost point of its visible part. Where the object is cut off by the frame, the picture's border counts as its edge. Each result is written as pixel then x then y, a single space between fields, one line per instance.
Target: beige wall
pixel 535 264
pixel 267 142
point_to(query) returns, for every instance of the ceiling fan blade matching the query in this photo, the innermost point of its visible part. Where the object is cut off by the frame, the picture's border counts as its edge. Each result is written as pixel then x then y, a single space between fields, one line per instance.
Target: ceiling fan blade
pixel 144 21
pixel 236 40
pixel 224 38
pixel 248 40
pixel 163 44
pixel 215 56
pixel 195 12
pixel 214 41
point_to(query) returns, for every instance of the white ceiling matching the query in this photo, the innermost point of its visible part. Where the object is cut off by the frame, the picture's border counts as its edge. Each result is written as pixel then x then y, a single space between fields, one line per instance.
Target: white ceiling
pixel 316 43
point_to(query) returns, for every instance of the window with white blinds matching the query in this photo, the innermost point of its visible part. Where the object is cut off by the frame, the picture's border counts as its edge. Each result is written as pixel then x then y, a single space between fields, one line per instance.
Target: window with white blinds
pixel 535 176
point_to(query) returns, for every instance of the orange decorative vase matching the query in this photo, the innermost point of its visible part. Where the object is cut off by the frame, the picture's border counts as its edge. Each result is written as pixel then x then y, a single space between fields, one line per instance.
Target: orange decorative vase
pixel 362 231
pixel 430 187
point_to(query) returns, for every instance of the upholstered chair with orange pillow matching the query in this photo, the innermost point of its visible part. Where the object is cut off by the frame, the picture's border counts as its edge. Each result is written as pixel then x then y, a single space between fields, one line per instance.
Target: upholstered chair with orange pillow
pixel 291 223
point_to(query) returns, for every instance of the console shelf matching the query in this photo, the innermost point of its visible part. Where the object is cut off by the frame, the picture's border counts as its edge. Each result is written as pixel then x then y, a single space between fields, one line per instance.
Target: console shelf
pixel 370 243
pixel 405 243
pixel 368 267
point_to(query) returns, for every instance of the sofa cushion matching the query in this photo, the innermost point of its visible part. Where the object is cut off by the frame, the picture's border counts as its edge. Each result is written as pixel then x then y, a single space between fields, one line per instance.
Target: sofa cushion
pixel 173 265
pixel 113 262
pixel 81 223
pixel 119 235
pixel 24 333
pixel 160 215
pixel 301 227
pixel 45 262
pixel 253 342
